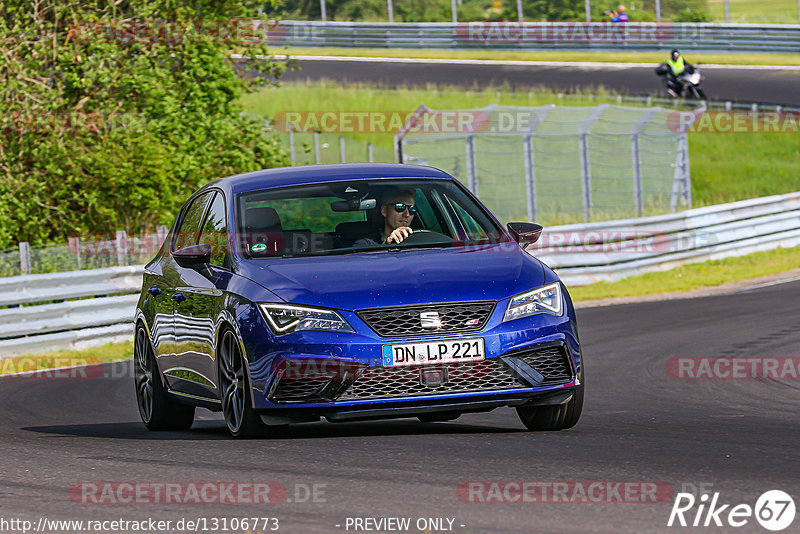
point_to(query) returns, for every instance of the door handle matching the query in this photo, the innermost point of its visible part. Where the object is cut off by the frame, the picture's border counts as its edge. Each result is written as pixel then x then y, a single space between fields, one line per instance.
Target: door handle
pixel 178 297
pixel 155 291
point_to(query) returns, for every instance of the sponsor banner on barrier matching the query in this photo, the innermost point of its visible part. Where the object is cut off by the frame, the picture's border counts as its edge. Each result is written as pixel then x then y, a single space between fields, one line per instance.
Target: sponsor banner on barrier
pixel 564 491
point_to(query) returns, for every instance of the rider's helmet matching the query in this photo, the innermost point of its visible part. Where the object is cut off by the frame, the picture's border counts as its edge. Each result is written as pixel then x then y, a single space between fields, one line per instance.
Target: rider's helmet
pixel 675 54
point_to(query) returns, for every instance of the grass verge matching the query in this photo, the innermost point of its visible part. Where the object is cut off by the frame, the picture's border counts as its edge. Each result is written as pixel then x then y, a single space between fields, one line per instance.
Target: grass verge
pixel 66 358
pixel 724 167
pixel 653 58
pixel 747 11
pixel 694 276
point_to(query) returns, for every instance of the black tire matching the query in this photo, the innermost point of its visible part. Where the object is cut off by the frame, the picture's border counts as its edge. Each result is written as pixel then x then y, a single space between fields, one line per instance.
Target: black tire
pixel 700 94
pixel 234 386
pixel 157 410
pixel 559 417
pixel 439 417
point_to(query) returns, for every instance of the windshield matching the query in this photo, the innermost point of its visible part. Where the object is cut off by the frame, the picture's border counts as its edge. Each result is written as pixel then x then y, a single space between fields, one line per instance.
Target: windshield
pixel 348 218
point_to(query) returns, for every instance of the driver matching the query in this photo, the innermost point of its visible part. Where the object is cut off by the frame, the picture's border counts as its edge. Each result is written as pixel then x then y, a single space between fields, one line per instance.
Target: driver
pixel 398 211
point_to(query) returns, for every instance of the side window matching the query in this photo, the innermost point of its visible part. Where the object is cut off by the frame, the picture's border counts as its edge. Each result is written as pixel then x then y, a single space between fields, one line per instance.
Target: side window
pixel 314 214
pixel 473 228
pixel 187 233
pixel 425 213
pixel 215 231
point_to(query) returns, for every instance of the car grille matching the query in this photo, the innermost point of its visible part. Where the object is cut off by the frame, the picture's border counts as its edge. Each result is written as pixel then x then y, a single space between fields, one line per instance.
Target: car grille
pixel 387 382
pixel 551 362
pixel 401 321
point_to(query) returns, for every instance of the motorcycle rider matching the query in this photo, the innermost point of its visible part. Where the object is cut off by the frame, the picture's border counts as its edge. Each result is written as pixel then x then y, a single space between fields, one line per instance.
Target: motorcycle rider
pixel 672 69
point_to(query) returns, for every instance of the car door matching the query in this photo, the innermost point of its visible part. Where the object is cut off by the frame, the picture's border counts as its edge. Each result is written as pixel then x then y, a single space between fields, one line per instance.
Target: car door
pixel 159 283
pixel 174 363
pixel 198 306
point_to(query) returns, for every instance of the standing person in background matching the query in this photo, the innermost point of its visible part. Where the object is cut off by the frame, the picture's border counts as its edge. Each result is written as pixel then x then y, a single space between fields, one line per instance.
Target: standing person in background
pixel 619 15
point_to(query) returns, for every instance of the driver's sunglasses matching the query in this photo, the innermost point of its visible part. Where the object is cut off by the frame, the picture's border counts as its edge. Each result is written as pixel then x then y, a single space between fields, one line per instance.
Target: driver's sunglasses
pixel 400 207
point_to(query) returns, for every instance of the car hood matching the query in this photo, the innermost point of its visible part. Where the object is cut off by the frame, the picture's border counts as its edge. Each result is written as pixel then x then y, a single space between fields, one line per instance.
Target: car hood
pixel 376 279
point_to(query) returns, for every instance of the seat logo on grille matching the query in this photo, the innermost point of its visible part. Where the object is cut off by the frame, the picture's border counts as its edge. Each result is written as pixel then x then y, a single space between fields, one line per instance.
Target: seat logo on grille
pixel 430 319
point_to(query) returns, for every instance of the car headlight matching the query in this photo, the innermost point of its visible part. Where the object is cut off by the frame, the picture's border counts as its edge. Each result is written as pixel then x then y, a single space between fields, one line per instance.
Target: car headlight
pixel 287 318
pixel 545 299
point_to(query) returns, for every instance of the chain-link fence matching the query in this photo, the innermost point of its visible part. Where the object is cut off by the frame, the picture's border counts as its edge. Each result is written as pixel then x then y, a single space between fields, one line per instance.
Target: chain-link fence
pixel 81 253
pixel 322 148
pixel 558 164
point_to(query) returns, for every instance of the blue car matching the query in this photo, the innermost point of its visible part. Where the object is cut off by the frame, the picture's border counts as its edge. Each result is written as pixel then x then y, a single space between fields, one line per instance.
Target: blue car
pixel 285 296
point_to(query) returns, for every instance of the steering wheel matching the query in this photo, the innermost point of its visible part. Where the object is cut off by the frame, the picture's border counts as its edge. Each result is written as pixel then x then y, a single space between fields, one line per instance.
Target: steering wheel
pixel 424 237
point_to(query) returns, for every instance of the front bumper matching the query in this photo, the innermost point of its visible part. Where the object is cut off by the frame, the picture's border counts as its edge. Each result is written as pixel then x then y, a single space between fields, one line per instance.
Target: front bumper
pixel 504 380
pixel 541 374
pixel 409 407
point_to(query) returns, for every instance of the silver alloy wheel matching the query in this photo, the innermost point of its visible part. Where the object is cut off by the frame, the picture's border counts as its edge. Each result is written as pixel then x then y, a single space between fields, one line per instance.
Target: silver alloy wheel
pixel 143 375
pixel 232 382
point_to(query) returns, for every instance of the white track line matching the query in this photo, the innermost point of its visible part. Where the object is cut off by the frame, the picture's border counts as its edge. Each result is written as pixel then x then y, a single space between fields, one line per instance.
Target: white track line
pixel 517 63
pixel 769 284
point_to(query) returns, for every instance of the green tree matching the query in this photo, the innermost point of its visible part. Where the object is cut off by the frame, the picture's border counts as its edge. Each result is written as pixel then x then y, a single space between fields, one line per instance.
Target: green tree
pixel 111 112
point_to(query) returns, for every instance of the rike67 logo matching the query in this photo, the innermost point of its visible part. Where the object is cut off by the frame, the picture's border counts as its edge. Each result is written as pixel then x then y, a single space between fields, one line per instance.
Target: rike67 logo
pixel 774 510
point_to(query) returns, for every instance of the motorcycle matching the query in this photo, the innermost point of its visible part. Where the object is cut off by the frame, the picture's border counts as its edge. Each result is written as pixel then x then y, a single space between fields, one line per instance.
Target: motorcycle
pixel 685 84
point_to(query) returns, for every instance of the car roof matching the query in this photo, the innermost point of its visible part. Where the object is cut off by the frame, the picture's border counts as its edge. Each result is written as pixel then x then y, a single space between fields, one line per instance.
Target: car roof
pixel 312 174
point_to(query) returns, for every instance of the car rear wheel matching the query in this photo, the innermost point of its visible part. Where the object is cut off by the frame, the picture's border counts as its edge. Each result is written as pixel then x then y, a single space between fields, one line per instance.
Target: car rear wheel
pixel 157 410
pixel 242 420
pixel 559 417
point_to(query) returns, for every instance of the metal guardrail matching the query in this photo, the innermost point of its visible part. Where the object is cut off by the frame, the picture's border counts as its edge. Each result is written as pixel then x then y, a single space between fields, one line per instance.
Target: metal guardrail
pixel 40 312
pixel 605 252
pixel 70 315
pixel 37 288
pixel 631 36
pixel 580 254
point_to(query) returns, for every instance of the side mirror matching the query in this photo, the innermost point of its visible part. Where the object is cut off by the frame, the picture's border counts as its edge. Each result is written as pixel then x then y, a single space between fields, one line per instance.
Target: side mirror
pixel 525 233
pixel 193 256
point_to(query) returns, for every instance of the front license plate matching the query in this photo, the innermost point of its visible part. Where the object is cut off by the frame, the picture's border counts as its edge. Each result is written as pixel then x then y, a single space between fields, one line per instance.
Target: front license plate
pixel 453 350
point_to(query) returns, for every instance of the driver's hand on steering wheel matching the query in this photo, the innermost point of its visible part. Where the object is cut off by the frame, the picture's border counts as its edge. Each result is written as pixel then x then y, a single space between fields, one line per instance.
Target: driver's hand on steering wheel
pixel 398 234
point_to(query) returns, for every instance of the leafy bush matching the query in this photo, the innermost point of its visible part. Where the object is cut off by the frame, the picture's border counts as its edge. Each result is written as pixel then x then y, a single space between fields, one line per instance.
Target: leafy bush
pixel 112 112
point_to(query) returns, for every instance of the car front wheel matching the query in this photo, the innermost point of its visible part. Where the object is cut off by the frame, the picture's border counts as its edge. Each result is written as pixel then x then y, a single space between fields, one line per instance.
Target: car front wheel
pixel 242 420
pixel 558 417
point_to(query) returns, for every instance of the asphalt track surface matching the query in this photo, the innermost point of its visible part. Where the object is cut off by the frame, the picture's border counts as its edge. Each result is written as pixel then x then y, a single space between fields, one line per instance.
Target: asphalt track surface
pixel 763 85
pixel 737 437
